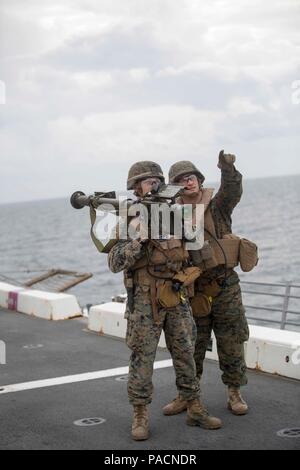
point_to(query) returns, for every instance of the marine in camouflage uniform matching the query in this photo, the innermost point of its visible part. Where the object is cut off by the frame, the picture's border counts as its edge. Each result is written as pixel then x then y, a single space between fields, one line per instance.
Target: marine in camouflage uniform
pixel 144 326
pixel 227 316
pixel 143 333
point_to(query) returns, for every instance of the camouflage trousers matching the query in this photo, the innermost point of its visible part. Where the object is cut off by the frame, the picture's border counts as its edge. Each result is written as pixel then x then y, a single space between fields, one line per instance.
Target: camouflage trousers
pixel 228 321
pixel 142 338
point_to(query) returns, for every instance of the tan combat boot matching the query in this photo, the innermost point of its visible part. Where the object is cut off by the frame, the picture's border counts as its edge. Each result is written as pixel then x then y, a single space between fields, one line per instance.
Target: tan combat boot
pixel 140 424
pixel 197 415
pixel 236 404
pixel 178 405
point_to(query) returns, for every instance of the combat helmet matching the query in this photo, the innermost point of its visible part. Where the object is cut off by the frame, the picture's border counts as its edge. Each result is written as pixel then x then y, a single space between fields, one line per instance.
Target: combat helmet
pixel 144 169
pixel 184 167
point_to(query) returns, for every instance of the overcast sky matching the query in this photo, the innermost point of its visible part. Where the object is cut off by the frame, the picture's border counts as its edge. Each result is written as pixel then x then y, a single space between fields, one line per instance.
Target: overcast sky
pixel 93 86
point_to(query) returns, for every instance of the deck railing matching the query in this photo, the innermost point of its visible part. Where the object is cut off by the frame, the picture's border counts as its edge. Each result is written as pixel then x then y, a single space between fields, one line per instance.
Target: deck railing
pixel 282 307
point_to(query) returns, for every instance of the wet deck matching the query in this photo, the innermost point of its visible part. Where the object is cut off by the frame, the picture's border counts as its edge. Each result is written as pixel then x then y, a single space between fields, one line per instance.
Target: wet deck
pixel 44 418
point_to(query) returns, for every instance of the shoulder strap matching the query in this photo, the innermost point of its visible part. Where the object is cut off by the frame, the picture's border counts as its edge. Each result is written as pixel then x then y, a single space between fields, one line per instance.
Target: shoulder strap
pixel 99 245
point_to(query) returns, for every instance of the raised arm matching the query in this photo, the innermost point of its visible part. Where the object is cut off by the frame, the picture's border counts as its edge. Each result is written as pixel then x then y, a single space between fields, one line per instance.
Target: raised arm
pixel 231 189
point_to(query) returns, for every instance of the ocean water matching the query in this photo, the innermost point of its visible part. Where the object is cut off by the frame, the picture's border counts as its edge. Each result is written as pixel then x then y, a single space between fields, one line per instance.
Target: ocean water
pixel 40 235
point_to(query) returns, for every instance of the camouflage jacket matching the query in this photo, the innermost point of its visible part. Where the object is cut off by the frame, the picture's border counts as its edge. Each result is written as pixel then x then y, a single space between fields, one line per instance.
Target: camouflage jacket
pixel 225 200
pixel 124 254
pixel 222 206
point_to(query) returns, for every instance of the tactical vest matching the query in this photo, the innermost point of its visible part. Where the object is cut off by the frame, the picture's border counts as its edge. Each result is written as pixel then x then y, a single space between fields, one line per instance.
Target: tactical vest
pixel 163 274
pixel 229 251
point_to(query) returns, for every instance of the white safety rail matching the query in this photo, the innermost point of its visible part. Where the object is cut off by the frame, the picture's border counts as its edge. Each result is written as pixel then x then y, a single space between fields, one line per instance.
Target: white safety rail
pixel 268 350
pixel 47 305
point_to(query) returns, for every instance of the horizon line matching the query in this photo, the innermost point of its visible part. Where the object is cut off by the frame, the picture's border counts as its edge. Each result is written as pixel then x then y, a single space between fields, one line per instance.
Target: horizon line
pixel 208 183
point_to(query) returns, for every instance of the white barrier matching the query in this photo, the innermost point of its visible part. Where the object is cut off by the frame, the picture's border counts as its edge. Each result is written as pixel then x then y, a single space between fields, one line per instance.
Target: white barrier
pixel 267 350
pixel 274 351
pixel 47 305
pixel 9 295
pixel 108 319
pixel 270 350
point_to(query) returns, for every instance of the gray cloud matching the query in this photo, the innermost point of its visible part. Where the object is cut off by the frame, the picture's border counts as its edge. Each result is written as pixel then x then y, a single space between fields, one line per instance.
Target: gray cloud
pixel 116 50
pixel 93 86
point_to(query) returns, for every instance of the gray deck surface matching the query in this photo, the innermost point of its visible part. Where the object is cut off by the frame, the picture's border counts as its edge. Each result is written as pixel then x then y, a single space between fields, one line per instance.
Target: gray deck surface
pixel 44 418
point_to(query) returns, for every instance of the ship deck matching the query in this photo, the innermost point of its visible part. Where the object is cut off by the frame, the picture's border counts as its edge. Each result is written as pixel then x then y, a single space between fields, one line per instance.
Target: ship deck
pixel 44 417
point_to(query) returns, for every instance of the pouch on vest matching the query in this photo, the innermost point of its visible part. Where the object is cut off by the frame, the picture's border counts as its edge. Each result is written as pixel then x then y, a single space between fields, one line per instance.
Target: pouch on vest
pixel 167 296
pixel 142 277
pixel 212 289
pixel 190 290
pixel 205 257
pixel 201 305
pixel 168 250
pixel 248 255
pixel 187 276
pixel 230 245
